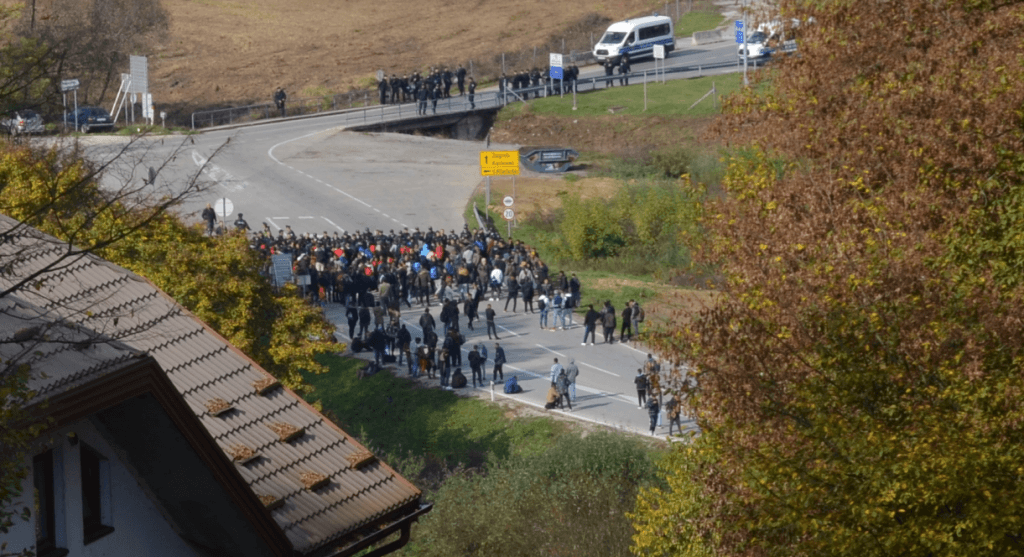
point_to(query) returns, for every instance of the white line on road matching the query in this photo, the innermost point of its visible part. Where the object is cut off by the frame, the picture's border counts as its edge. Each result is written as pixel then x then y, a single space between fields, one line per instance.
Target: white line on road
pixel 272 223
pixel 270 153
pixel 334 225
pixel 581 363
pixel 307 217
pixel 279 218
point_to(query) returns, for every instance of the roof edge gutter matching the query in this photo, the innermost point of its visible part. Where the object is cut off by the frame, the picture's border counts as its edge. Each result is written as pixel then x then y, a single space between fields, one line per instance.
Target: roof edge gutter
pixel 404 524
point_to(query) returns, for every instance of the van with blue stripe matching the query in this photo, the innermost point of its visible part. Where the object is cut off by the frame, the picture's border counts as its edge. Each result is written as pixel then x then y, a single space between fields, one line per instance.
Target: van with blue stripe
pixel 635 37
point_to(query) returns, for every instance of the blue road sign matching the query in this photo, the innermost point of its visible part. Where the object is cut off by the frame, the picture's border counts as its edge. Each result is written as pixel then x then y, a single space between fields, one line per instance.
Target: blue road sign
pixel 739 37
pixel 739 24
pixel 556 72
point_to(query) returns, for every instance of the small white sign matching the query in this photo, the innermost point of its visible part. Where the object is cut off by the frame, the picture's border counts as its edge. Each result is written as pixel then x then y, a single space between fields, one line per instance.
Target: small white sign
pixel 508 201
pixel 659 52
pixel 555 60
pixel 509 214
pixel 69 85
pixel 224 208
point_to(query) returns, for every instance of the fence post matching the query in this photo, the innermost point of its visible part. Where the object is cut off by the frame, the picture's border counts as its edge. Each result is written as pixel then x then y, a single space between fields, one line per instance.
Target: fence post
pixel 503 62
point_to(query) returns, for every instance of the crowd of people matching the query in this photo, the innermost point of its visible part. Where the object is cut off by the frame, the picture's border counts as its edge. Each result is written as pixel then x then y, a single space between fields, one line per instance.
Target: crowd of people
pixel 376 275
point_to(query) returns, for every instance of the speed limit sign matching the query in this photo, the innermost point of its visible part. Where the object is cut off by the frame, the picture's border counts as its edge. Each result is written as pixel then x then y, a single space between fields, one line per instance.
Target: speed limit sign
pixel 509 214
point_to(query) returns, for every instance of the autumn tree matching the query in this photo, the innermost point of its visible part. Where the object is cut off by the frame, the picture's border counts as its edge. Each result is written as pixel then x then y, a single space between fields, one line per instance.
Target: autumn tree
pixel 858 382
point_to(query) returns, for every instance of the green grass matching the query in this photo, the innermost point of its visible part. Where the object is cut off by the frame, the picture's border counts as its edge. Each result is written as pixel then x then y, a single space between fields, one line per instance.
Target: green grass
pixel 690 23
pixel 423 431
pixel 673 98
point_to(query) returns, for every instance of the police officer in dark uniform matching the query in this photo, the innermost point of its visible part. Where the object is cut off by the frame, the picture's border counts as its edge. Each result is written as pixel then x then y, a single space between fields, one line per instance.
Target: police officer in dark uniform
pixel 421 96
pixel 279 98
pixel 447 79
pixel 434 95
pixel 535 81
pixel 382 87
pixel 624 70
pixel 460 77
pixel 609 70
pixel 240 223
pixel 393 85
pixel 472 93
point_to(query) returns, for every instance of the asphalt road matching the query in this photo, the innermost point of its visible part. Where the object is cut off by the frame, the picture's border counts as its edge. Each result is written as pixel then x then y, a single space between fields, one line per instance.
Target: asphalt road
pixel 313 176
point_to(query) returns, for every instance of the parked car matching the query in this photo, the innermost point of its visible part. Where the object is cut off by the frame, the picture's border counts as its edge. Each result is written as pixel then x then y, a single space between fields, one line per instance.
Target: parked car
pixel 23 121
pixel 757 46
pixel 89 118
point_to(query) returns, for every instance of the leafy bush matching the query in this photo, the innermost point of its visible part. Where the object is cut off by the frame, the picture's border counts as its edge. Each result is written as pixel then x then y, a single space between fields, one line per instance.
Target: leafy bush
pixel 569 500
pixel 673 162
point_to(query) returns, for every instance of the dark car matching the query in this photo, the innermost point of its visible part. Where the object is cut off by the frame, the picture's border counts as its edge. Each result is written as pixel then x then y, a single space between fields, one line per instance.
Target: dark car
pixel 89 118
pixel 23 121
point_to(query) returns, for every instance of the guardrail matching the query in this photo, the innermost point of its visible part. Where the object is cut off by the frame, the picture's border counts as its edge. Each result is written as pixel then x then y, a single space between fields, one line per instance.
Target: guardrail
pixel 382 114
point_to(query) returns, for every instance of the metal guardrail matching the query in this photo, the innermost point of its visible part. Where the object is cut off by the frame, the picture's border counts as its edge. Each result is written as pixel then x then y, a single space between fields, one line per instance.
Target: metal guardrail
pixel 383 114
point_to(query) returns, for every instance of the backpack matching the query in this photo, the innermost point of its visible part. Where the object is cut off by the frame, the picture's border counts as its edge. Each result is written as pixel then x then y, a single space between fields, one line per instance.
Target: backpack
pixel 541 305
pixel 640 318
pixel 433 272
pixel 512 386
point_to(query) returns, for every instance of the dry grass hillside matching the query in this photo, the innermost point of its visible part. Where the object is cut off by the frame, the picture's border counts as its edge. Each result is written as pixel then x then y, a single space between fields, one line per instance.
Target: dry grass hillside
pixel 234 51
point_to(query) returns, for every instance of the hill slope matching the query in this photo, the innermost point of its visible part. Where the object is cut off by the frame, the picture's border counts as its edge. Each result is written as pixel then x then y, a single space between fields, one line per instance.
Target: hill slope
pixel 235 51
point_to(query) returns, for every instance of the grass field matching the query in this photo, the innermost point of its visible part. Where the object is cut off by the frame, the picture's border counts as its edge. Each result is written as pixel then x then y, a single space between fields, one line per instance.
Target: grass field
pixel 672 98
pixel 692 22
pixel 421 431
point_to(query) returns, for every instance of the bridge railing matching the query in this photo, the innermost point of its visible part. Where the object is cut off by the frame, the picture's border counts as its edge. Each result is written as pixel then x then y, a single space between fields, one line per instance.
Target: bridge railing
pixel 378 114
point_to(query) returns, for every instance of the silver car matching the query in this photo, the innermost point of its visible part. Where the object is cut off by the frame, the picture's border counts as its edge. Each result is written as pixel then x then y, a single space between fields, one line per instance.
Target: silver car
pixel 23 121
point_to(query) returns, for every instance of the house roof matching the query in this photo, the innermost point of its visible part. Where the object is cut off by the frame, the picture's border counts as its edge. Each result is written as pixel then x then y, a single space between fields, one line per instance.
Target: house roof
pixel 322 488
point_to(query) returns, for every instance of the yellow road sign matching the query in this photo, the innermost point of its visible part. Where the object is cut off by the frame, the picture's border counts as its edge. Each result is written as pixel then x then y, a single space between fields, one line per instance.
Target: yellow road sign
pixel 499 163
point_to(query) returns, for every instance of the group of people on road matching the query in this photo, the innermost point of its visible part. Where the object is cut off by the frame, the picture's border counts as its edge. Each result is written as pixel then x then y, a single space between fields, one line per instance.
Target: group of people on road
pixel 624 69
pixel 649 394
pixel 374 274
pixel 522 82
pixel 435 85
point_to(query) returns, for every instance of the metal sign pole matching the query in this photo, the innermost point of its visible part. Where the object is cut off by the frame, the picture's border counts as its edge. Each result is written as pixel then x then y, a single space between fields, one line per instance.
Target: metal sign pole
pixel 746 51
pixel 76 110
pixel 645 90
pixel 488 194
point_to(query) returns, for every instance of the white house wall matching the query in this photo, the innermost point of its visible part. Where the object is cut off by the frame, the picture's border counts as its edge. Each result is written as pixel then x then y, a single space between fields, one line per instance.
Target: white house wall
pixel 140 530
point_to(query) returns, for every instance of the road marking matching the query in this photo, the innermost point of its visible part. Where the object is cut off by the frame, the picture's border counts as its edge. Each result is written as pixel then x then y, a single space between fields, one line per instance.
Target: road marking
pixel 279 218
pixel 387 216
pixel 307 217
pixel 334 225
pixel 222 177
pixel 270 153
pixel 272 223
pixel 581 363
pixel 376 209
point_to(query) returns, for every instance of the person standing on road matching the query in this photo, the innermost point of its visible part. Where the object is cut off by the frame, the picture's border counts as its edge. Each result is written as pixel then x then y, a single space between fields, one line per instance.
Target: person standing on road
pixel 421 107
pixel 636 317
pixel 352 315
pixel 210 216
pixel 624 70
pixel 590 325
pixel 489 316
pixel 427 322
pixel 562 385
pixel 279 99
pixel 460 77
pixel 608 321
pixel 472 93
pixel 609 71
pixel 555 370
pixel 544 306
pixel 435 93
pixel 382 88
pixel 474 366
pixel 572 371
pixel 240 224
pixel 641 387
pixel 499 363
pixel 653 411
pixel 627 314
pixel 513 293
pixel 673 409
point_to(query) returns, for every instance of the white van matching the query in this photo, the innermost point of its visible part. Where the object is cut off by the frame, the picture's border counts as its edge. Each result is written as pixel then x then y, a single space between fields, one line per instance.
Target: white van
pixel 635 37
